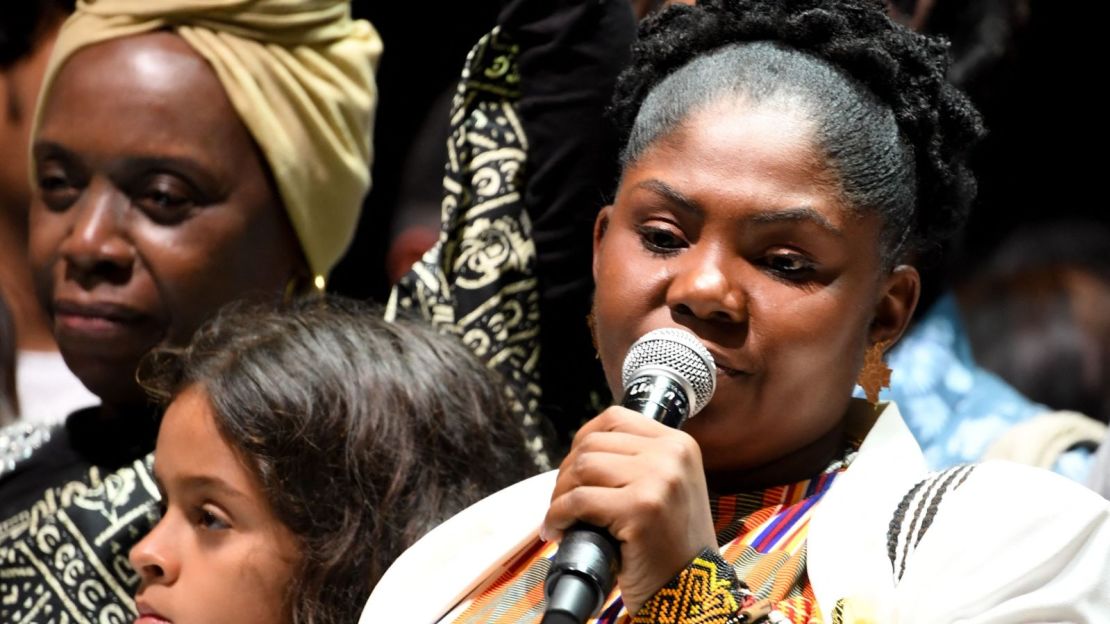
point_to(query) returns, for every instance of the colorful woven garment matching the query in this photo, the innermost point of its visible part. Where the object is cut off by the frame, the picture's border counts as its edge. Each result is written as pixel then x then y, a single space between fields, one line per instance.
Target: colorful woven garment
pixel 759 574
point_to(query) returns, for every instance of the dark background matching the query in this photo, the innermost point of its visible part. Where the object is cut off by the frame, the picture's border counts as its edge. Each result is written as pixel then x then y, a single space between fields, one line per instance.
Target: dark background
pixel 425 48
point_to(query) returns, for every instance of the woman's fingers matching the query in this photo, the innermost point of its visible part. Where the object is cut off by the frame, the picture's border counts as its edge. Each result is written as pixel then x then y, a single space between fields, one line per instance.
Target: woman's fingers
pixel 590 504
pixel 595 468
pixel 640 485
pixel 615 442
pixel 622 419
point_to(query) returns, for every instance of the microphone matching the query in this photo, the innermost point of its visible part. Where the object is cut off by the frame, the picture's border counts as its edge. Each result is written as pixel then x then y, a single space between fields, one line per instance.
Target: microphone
pixel 669 376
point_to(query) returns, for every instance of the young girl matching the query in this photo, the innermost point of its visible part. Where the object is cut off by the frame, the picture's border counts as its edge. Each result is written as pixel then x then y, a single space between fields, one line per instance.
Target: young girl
pixel 302 450
pixel 784 164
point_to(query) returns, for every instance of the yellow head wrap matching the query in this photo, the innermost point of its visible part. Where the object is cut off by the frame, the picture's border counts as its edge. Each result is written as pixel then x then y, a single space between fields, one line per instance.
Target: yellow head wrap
pixel 300 73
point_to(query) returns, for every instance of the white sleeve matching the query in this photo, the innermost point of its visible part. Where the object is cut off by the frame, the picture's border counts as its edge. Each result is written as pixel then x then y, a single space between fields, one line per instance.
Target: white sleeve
pixel 1010 544
pixel 430 578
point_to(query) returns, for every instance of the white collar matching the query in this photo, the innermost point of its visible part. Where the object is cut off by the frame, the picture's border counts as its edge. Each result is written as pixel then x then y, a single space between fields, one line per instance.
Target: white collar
pixel 452 559
pixel 847 545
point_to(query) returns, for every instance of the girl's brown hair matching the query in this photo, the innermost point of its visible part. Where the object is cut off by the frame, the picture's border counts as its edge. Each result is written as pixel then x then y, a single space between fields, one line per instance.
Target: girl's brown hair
pixel 364 433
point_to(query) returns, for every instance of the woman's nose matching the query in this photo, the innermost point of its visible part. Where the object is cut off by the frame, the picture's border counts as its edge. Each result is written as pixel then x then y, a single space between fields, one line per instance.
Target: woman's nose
pixel 706 288
pixel 96 247
pixel 155 558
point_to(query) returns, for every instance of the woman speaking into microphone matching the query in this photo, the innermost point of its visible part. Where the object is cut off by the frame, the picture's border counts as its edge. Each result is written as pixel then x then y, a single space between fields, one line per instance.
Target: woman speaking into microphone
pixel 785 164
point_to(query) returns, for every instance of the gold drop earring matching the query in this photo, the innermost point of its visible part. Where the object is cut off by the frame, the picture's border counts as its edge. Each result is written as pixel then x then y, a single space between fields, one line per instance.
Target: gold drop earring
pixel 875 374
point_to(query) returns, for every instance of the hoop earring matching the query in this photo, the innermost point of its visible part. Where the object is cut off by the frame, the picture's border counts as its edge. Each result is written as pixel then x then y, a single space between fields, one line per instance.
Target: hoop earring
pixel 875 374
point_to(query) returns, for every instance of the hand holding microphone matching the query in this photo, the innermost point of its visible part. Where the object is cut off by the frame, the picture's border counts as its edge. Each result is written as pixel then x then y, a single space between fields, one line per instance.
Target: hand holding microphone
pixel 636 483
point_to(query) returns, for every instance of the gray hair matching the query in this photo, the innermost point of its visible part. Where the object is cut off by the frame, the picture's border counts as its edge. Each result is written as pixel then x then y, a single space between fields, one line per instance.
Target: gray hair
pixel 857 133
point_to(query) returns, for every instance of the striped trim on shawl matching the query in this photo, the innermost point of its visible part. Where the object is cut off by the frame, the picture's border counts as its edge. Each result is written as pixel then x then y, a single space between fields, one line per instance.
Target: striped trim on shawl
pixel 763 538
pixel 915 514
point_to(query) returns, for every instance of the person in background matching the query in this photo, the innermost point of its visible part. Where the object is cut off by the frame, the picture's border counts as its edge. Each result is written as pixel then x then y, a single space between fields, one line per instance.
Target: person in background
pixel 784 165
pixel 46 389
pixel 186 154
pixel 529 160
pixel 961 412
pixel 415 228
pixel 953 371
pixel 303 448
pixel 1038 314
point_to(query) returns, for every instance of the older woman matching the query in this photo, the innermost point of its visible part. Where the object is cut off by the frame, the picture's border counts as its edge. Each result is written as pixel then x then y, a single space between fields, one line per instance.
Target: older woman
pixel 783 163
pixel 185 154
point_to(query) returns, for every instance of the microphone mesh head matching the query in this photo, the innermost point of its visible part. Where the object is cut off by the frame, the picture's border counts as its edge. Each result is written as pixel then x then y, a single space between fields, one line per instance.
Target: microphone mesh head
pixel 682 353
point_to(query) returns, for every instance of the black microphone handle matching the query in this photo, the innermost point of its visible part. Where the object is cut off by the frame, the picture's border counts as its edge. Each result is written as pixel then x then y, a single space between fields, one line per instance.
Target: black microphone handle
pixel 585 567
pixel 582 574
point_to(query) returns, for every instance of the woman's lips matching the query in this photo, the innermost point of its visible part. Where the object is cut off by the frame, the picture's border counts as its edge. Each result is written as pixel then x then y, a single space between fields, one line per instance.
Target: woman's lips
pixel 97 309
pixel 729 372
pixel 94 322
pixel 725 366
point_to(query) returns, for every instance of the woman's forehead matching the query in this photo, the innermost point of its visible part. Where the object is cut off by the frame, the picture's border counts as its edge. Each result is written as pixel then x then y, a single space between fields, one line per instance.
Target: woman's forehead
pixel 739 164
pixel 146 94
pixel 743 143
pixel 156 61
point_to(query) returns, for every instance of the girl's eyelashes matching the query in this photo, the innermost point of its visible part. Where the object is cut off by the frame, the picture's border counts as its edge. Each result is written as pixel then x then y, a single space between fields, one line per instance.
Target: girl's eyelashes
pixel 203 516
pixel 211 520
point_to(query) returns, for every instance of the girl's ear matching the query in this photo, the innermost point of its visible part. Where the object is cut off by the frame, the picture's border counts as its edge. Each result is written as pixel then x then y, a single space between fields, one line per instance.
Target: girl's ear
pixel 895 305
pixel 601 224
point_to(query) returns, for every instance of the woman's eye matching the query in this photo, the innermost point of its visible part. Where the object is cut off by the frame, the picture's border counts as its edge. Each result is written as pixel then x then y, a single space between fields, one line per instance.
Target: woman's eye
pixel 789 265
pixel 165 199
pixel 57 189
pixel 53 182
pixel 660 240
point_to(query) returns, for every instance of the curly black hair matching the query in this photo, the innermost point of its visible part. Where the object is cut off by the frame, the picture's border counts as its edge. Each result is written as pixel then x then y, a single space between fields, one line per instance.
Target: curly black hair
pixel 894 129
